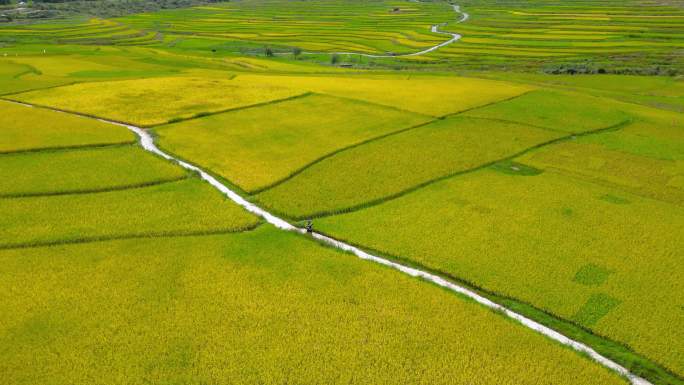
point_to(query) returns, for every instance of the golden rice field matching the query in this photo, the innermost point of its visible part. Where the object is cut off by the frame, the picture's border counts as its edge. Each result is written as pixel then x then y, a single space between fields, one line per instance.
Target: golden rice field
pixel 430 95
pixel 25 128
pixel 263 306
pixel 568 246
pixel 83 170
pixel 257 147
pixel 383 168
pixel 157 100
pixel 186 206
pixel 552 110
pixel 493 162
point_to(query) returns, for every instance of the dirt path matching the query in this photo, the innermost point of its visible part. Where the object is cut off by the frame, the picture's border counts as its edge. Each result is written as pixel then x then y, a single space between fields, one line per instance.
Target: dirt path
pixel 147 142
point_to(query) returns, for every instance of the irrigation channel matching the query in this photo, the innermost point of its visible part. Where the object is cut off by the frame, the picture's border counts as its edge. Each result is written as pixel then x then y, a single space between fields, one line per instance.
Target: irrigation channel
pixel 147 142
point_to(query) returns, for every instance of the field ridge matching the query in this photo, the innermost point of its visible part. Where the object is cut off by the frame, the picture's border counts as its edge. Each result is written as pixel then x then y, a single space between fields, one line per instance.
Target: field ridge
pixel 390 197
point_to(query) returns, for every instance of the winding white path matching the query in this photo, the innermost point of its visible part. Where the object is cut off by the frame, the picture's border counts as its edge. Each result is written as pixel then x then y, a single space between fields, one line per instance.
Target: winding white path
pixel 435 29
pixel 147 142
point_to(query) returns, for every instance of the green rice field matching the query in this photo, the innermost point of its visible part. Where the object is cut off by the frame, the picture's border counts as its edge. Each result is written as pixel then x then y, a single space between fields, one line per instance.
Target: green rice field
pixel 342 192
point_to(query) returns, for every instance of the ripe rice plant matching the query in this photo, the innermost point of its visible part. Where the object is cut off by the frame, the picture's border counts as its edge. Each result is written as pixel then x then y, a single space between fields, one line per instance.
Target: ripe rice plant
pixel 554 110
pixel 431 95
pixel 392 165
pixel 23 128
pixel 535 237
pixel 97 169
pixel 257 147
pixel 263 307
pixel 188 206
pixel 147 102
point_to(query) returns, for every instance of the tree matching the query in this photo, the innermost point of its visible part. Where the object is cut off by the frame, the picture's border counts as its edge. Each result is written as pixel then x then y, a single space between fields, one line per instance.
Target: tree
pixel 269 51
pixel 4 2
pixel 334 59
pixel 296 51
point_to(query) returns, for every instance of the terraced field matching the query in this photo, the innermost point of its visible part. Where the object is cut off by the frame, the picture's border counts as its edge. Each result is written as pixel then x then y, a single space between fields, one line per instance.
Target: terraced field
pixel 598 35
pixel 544 213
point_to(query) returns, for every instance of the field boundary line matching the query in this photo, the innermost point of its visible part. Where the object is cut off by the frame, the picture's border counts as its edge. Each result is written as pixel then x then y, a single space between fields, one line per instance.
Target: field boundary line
pixel 607 184
pixel 227 110
pixel 119 122
pixel 152 235
pixel 520 123
pixel 41 89
pixel 96 190
pixel 375 104
pixel 593 92
pixel 370 140
pixel 426 183
pixel 496 296
pixel 335 152
pixel 76 147
pixel 147 142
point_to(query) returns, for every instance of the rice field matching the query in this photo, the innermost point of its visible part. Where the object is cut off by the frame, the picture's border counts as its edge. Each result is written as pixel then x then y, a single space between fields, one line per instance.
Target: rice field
pixel 556 193
pixel 377 26
pixel 25 129
pixel 552 110
pixel 431 95
pixel 186 206
pixel 263 306
pixel 392 165
pixel 595 255
pixel 610 36
pixel 257 147
pixel 147 102
pixel 82 170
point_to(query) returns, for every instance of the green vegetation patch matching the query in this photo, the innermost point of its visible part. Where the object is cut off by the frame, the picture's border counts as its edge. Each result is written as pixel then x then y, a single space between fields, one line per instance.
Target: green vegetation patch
pixel 188 206
pixel 83 170
pixel 265 307
pixel 515 168
pixel 572 113
pixel 511 235
pixel 257 147
pixel 23 128
pixel 397 163
pixel 641 175
pixel 592 275
pixel 615 199
pixel 596 307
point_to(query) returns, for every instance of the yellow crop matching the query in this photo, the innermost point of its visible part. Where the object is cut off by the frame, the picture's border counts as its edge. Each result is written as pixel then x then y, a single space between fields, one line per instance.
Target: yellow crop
pixel 153 101
pixel 263 307
pixel 25 128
